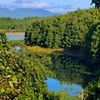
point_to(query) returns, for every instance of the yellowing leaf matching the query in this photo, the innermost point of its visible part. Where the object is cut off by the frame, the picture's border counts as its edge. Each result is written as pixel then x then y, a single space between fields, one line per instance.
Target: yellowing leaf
pixel 11 84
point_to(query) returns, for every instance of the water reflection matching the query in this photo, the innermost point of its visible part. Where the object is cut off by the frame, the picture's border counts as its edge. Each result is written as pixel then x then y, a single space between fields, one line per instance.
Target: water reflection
pixel 54 85
pixel 69 70
pixel 70 73
pixel 15 37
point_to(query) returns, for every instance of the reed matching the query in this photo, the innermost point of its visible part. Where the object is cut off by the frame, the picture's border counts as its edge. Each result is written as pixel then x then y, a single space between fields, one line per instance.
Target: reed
pixel 47 50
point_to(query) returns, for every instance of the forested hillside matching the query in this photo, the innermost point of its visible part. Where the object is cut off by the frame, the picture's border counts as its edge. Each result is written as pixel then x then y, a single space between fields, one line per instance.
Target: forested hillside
pixel 16 25
pixel 77 30
pixel 63 31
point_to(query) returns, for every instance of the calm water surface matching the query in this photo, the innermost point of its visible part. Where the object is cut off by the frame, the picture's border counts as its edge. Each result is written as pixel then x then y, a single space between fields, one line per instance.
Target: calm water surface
pixel 55 85
pixel 65 69
pixel 15 37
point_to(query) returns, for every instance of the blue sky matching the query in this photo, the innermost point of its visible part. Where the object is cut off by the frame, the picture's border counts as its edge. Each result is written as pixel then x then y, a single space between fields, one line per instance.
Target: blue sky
pixel 58 6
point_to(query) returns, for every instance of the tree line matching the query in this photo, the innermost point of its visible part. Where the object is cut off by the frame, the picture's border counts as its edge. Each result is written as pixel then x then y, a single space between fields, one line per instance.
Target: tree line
pixel 16 25
pixel 63 31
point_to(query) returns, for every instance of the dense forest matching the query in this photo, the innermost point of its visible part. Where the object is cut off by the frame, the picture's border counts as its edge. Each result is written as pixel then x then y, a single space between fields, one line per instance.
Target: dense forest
pixel 64 31
pixel 16 25
pixel 22 74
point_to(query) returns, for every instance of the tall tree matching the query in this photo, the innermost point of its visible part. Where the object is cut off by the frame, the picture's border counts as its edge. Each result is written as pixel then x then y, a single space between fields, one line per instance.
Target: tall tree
pixel 96 2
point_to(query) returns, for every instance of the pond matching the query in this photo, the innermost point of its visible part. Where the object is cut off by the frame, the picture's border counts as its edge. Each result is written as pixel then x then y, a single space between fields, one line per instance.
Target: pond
pixel 55 85
pixel 15 36
pixel 70 73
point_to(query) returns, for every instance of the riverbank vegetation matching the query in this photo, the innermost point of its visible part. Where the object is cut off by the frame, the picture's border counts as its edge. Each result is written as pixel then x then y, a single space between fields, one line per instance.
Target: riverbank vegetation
pixel 22 73
pixel 77 30
pixel 16 25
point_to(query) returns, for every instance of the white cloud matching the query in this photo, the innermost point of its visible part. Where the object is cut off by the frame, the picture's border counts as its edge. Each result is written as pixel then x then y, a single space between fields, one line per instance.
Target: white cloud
pixel 59 8
pixel 30 4
pixel 24 4
pixel 36 4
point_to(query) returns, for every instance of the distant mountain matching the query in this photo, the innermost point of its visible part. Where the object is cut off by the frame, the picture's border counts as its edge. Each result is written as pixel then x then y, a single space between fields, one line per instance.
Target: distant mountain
pixel 24 12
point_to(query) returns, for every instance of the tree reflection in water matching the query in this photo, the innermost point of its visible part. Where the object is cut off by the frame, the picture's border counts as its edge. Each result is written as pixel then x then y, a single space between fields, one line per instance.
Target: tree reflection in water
pixel 69 70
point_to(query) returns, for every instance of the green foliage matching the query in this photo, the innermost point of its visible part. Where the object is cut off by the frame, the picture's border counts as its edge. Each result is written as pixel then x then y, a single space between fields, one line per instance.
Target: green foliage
pixel 64 67
pixel 16 25
pixel 3 41
pixel 93 55
pixel 63 31
pixel 93 44
pixel 93 89
pixel 40 59
pixel 64 95
pixel 21 79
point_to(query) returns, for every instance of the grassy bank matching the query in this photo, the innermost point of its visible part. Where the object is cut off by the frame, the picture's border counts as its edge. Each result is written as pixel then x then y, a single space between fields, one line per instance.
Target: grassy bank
pixel 62 51
pixel 73 53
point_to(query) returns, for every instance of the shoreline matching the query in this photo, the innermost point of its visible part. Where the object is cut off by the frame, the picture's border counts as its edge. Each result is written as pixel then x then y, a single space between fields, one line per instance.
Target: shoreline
pixel 61 51
pixel 15 33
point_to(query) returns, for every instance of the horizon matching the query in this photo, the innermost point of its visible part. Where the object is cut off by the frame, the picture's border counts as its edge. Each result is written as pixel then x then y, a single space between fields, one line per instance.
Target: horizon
pixel 56 6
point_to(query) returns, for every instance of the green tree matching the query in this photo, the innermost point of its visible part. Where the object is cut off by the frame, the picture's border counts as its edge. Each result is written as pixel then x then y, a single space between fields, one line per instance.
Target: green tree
pixel 3 41
pixel 93 44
